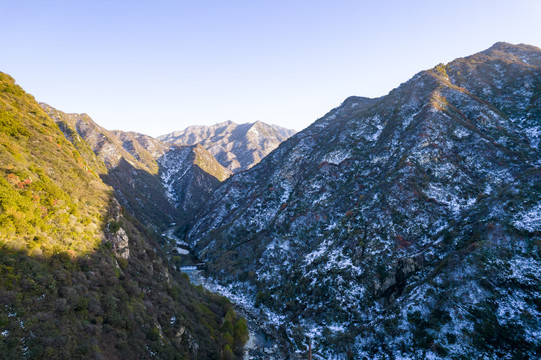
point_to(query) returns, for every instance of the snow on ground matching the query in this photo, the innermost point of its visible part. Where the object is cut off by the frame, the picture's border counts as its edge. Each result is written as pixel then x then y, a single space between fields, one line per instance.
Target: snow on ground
pixel 534 134
pixel 525 269
pixel 337 156
pixel 172 165
pixel 529 220
pixel 308 259
pixel 182 251
pixel 169 234
pixel 448 198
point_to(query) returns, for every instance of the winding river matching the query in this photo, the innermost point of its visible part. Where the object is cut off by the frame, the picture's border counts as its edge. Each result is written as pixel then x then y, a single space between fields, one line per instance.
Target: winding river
pixel 260 345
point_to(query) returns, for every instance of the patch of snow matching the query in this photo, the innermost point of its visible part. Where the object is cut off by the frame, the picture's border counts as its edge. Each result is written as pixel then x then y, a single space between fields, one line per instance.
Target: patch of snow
pixel 529 220
pixel 449 197
pixel 521 267
pixel 461 132
pixel 337 156
pixel 337 328
pixel 182 251
pixel 172 164
pixel 379 128
pixel 308 259
pixel 287 190
pixel 534 135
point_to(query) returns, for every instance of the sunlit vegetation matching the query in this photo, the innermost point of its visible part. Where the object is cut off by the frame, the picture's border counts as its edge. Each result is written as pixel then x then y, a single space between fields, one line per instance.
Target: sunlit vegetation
pixel 208 164
pixel 63 291
pixel 44 208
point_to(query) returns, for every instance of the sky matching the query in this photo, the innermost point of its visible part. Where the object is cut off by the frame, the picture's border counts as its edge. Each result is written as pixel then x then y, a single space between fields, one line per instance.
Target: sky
pixel 159 66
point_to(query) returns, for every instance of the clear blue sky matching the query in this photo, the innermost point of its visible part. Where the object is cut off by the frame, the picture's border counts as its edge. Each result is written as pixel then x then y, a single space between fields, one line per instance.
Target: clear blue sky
pixel 158 66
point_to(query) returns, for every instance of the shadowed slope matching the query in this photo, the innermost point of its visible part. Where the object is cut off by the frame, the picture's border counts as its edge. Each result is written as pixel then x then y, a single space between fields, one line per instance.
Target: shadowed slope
pixel 406 225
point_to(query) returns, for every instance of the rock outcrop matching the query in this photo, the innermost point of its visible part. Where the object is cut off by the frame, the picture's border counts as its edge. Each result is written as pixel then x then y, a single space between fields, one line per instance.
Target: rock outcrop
pixel 120 243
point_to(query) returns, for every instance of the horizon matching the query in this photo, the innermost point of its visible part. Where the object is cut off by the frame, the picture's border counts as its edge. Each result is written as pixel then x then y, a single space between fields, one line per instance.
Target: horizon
pixel 160 68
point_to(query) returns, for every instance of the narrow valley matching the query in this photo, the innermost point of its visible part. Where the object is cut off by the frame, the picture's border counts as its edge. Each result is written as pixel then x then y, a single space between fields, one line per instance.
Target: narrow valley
pixel 406 226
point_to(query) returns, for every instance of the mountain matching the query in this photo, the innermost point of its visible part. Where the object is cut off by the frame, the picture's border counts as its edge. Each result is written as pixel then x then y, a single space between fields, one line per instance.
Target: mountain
pixel 80 277
pixel 142 147
pixel 406 226
pixel 129 168
pixel 111 147
pixel 159 183
pixel 236 147
pixel 190 175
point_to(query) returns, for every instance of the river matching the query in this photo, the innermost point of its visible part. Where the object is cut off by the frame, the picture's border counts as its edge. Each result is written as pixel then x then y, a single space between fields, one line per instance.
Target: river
pixel 260 345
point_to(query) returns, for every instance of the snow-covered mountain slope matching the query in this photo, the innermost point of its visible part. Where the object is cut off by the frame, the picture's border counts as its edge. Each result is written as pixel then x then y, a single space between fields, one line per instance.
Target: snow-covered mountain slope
pixel 236 147
pixel 404 226
pixel 190 174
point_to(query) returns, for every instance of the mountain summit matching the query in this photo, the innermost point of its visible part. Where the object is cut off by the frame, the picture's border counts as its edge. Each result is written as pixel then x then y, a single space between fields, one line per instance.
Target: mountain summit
pixel 236 147
pixel 406 226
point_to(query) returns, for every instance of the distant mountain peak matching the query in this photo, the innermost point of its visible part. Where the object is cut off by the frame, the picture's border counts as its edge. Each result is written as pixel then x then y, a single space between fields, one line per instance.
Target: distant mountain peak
pixel 508 47
pixel 236 147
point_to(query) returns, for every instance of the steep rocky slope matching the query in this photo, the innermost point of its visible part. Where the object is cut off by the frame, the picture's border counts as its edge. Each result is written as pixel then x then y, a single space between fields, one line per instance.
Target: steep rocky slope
pixel 142 147
pixel 236 147
pixel 79 277
pixel 157 182
pixel 110 148
pixel 129 167
pixel 404 226
pixel 190 175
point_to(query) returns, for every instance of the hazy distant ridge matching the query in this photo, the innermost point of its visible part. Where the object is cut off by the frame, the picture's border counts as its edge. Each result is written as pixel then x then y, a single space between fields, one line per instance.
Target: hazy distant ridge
pixel 236 147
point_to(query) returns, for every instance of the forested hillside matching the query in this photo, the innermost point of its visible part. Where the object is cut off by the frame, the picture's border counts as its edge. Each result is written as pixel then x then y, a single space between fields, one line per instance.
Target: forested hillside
pixel 80 277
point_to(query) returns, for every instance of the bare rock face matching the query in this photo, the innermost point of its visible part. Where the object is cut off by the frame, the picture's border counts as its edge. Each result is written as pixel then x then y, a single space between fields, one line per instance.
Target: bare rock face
pixel 236 147
pixel 120 243
pixel 115 210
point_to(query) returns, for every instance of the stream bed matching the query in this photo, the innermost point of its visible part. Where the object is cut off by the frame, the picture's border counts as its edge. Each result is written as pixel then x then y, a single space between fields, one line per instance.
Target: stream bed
pixel 260 346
